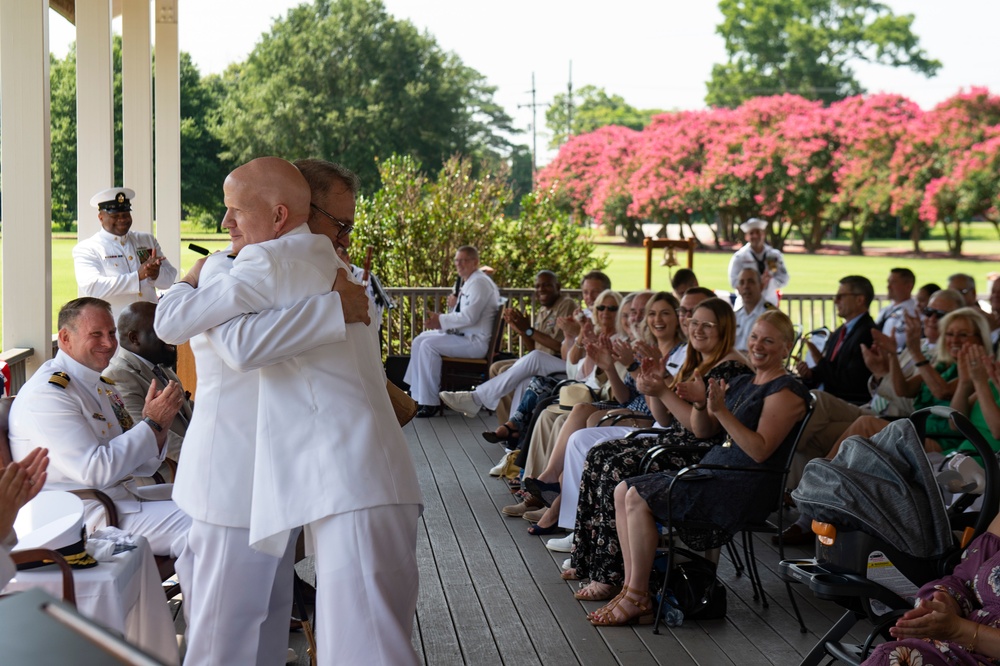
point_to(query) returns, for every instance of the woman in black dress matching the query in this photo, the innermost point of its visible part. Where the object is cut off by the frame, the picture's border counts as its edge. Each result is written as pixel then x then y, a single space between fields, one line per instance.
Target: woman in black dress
pixel 758 413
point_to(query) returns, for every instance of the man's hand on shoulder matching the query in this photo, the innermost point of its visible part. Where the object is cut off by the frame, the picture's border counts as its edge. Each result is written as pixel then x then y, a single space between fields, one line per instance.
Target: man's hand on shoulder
pixel 191 277
pixel 353 299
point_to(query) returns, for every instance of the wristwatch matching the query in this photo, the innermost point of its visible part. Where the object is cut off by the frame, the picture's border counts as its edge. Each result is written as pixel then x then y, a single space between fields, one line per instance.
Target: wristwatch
pixel 528 332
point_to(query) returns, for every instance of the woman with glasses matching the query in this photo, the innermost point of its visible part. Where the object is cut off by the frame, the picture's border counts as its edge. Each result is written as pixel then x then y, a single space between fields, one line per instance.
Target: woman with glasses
pixel 756 414
pixel 710 356
pixel 578 366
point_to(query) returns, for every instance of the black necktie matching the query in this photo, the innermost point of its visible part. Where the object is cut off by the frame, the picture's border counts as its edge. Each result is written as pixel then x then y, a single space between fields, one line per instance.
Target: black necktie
pixel 161 376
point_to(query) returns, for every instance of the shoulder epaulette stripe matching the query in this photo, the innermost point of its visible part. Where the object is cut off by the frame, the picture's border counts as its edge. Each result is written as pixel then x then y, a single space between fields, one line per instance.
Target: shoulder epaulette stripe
pixel 110 382
pixel 60 379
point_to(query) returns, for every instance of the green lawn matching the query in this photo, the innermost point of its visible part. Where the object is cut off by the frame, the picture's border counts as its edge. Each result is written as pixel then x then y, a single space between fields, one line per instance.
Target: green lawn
pixel 809 273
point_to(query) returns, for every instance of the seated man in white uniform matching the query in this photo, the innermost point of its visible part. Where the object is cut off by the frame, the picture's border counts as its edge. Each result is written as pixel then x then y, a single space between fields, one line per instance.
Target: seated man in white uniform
pixel 541 336
pixel 93 442
pixel 116 264
pixel 464 332
pixel 750 287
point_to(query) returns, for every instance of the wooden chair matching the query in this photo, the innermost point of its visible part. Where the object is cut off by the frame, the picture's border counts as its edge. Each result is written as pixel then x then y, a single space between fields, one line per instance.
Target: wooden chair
pixel 164 564
pixel 36 554
pixel 462 374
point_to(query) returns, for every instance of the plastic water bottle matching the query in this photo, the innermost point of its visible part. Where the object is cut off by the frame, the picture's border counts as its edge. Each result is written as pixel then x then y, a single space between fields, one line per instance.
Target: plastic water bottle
pixel 672 615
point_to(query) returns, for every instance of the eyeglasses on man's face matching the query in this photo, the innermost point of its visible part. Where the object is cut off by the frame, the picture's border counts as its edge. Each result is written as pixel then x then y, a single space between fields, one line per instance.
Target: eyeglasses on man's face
pixel 837 297
pixel 346 227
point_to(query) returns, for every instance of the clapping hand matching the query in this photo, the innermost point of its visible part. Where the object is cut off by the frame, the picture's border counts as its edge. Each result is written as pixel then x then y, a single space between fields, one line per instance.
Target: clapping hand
pixel 914 331
pixel 599 349
pixel 20 482
pixel 646 350
pixel 650 380
pixel 716 400
pixel 621 351
pixel 692 390
pixel 935 618
pixel 875 359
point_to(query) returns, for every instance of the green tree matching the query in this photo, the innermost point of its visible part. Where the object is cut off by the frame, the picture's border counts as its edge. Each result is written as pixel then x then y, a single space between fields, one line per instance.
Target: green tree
pixel 592 108
pixel 416 223
pixel 344 80
pixel 202 172
pixel 805 47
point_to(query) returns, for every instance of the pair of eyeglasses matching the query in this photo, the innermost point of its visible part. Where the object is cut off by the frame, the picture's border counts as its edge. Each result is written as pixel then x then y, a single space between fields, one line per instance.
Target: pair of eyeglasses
pixel 931 312
pixel 697 325
pixel 345 226
pixel 837 297
pixel 602 308
pixel 684 312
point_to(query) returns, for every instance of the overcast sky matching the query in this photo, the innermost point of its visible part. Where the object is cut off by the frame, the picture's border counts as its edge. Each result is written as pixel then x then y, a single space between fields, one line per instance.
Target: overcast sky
pixel 654 53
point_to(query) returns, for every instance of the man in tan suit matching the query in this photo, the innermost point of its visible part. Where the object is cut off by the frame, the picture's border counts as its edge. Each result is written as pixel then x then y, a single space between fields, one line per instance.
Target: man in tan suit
pixel 143 357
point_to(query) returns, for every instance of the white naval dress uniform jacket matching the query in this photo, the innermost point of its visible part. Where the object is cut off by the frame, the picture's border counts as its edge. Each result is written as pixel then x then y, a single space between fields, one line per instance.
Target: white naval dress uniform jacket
pixel 775 265
pixel 107 267
pixel 215 474
pixel 472 328
pixel 327 439
pixel 87 447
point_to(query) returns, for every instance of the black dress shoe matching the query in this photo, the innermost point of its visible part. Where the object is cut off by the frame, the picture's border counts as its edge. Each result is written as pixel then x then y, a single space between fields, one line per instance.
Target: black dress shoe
pixel 427 411
pixel 795 536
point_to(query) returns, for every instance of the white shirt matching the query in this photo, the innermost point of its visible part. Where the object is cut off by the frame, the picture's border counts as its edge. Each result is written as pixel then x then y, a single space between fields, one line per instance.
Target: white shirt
pixel 774 263
pixel 745 320
pixel 478 300
pixel 890 320
pixel 107 267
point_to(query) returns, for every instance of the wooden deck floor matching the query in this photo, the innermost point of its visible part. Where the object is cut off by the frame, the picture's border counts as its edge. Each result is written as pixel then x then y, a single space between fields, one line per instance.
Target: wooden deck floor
pixel 490 593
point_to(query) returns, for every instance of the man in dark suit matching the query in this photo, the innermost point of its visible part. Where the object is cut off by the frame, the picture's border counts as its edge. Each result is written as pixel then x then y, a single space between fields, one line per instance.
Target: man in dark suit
pixel 841 369
pixel 141 358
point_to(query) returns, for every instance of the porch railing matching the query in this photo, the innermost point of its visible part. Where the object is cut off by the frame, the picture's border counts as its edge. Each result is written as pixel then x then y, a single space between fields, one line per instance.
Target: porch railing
pixel 402 323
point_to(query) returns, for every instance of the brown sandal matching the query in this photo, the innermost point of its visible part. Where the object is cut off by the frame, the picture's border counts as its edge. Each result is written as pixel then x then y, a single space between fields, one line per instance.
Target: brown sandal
pixel 609 616
pixel 569 574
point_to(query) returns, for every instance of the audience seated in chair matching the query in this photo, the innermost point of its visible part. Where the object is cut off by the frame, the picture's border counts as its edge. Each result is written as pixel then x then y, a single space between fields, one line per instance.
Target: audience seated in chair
pixel 597 471
pixel 68 408
pixel 540 336
pixel 465 331
pixel 758 414
pixel 840 368
pixel 141 359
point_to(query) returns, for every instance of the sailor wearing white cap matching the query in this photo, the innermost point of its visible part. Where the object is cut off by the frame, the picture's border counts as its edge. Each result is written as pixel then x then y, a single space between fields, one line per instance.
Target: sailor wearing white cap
pixel 116 264
pixel 757 254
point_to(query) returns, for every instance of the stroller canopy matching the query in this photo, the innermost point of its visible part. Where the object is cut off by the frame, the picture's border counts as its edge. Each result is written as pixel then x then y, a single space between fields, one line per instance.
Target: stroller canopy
pixel 883 486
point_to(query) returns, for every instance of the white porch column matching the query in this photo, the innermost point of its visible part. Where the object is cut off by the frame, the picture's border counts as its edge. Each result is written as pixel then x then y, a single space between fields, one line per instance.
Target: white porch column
pixel 137 110
pixel 27 205
pixel 168 131
pixel 95 96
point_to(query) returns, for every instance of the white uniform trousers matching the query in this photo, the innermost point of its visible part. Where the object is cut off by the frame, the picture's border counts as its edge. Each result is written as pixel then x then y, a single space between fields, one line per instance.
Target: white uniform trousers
pixel 237 601
pixel 423 374
pixel 161 522
pixel 366 586
pixel 579 444
pixel 516 378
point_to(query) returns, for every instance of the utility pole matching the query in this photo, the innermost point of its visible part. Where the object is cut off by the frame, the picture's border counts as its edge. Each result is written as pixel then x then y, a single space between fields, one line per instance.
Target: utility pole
pixel 569 103
pixel 534 130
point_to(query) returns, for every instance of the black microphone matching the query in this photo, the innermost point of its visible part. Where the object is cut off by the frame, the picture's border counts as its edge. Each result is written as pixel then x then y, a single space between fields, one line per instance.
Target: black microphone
pixel 458 285
pixel 199 249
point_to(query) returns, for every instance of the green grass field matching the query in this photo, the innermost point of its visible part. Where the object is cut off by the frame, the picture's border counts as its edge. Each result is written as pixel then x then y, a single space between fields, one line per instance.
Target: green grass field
pixel 810 274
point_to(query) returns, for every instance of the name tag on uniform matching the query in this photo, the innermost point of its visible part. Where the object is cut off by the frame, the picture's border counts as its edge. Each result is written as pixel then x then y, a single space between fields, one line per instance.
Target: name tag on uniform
pixel 98 416
pixel 114 256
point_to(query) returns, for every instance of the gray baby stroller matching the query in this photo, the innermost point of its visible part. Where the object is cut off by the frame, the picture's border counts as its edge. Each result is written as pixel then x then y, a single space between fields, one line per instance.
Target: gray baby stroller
pixel 883 528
